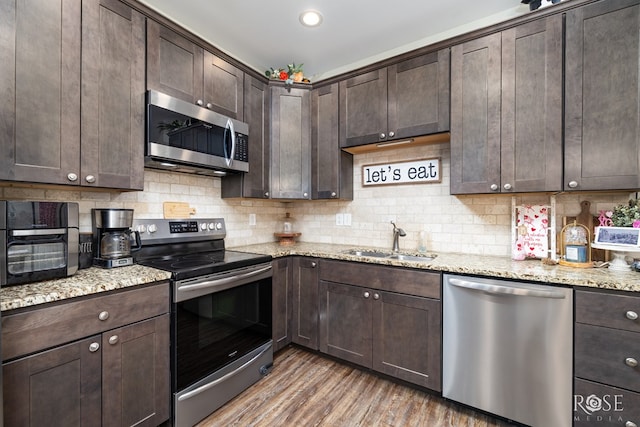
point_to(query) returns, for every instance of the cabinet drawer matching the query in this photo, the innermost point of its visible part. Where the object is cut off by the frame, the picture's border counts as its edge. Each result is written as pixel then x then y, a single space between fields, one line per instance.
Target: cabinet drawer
pixel 42 328
pixel 616 406
pixel 601 354
pixel 614 311
pixel 392 279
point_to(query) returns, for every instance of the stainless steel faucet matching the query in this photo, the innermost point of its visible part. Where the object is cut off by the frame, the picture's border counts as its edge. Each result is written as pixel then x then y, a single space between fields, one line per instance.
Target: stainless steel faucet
pixel 397 233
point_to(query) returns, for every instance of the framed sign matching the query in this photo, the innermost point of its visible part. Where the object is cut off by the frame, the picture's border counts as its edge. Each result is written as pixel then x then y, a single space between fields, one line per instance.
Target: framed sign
pixel 424 171
pixel 623 236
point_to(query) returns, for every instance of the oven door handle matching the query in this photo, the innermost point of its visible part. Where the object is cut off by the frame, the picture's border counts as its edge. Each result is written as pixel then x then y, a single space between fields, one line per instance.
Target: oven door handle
pixel 223 378
pixel 221 282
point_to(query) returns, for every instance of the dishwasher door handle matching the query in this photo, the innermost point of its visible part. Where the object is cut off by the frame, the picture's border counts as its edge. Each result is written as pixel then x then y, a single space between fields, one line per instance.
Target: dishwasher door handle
pixel 506 290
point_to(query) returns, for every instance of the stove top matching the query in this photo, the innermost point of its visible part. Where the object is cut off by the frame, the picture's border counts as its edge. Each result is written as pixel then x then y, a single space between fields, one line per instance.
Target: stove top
pixel 189 248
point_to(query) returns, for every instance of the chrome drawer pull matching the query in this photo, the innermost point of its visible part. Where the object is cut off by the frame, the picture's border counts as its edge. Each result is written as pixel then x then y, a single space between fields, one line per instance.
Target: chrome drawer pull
pixel 93 347
pixel 630 424
pixel 631 362
pixel 104 315
pixel 631 315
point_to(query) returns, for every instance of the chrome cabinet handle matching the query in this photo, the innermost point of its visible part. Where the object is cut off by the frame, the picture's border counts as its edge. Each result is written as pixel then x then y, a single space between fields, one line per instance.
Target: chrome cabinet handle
pixel 334 194
pixel 631 315
pixel 200 102
pixel 383 136
pixel 631 362
pixel 630 424
pixel 93 347
pixel 494 187
pixel 314 264
pixel 72 177
pixel 266 194
pixel 392 134
pixel 104 315
pixel 90 179
pixel 113 339
pixel 573 184
pixel 209 105
pixel 366 294
pixel 376 296
pixel 507 186
pixel 305 194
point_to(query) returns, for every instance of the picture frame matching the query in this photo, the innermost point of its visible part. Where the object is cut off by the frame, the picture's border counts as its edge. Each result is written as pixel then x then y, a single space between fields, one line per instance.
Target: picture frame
pixel 618 236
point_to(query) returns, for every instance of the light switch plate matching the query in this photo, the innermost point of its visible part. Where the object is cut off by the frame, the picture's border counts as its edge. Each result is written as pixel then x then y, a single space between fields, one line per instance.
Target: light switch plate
pixel 339 219
pixel 252 219
pixel 347 219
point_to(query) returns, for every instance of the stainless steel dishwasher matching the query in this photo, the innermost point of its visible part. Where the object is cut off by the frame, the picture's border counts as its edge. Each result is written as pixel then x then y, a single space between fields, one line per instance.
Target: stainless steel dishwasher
pixel 508 349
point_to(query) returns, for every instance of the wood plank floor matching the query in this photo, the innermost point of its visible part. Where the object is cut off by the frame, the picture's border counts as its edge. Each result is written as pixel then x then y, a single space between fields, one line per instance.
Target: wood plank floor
pixel 306 389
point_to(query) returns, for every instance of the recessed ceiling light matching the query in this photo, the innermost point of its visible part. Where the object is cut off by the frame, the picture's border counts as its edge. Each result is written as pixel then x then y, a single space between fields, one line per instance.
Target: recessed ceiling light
pixel 310 18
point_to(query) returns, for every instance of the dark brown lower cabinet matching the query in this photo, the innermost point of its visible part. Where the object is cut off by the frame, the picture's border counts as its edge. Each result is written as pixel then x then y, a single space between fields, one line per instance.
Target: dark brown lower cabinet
pixel 304 325
pixel 380 327
pixel 604 406
pixel 119 378
pixel 281 302
pixel 101 360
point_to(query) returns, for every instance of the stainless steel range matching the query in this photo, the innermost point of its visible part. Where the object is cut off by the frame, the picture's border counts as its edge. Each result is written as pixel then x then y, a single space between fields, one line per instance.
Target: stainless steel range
pixel 221 312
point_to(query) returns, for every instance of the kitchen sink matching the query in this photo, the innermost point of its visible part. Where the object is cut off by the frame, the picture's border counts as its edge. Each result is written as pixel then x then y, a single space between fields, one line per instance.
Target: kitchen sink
pixel 389 255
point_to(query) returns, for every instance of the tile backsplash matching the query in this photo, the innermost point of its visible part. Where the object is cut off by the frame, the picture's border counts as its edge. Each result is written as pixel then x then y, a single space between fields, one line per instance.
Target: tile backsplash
pixel 465 224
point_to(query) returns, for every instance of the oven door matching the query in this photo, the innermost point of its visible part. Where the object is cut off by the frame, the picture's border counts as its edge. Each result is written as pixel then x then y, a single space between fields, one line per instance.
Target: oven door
pixel 222 335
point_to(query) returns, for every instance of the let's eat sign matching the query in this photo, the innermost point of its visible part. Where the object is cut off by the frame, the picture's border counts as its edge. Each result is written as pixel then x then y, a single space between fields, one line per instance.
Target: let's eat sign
pixel 414 172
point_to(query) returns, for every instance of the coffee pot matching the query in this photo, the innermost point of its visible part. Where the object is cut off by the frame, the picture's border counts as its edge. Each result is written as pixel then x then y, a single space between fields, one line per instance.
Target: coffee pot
pixel 113 238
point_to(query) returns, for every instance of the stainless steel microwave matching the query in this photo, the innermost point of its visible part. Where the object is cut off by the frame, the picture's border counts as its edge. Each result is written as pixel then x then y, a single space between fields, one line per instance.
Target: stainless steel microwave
pixel 185 137
pixel 38 241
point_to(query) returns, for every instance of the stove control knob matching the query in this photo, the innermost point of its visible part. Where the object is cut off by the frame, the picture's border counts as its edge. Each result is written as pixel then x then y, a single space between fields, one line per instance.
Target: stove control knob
pixel 212 226
pixel 141 228
pixel 218 226
pixel 152 228
pixel 203 226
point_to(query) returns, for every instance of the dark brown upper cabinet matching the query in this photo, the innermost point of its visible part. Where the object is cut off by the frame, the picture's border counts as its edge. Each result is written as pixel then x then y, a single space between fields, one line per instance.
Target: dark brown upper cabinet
pixel 506 110
pixel 180 68
pixel 602 123
pixel 290 143
pixel 331 168
pixel 404 100
pixel 56 55
pixel 255 183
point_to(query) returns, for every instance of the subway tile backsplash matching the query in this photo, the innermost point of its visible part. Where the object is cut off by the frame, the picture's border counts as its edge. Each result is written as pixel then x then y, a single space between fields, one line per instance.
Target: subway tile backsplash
pixel 474 224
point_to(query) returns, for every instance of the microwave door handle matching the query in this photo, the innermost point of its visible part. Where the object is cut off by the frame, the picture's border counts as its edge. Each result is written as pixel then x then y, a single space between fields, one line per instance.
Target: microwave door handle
pixel 230 130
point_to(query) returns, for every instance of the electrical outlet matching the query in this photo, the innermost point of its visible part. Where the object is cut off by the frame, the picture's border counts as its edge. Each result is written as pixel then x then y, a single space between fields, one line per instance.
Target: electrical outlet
pixel 347 219
pixel 252 219
pixel 339 219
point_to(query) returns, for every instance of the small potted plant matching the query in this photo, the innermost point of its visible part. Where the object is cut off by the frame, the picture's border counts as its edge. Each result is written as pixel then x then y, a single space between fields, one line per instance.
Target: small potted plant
pixel 295 72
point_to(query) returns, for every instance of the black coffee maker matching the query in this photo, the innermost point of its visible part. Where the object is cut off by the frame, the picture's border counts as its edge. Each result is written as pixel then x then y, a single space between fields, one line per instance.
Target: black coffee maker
pixel 113 239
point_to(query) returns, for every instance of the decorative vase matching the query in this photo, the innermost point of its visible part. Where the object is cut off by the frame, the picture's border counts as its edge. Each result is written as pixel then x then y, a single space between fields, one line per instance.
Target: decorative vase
pixel 297 77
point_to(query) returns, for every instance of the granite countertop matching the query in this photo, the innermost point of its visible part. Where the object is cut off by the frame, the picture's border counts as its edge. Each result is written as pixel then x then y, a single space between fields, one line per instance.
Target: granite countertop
pixel 500 267
pixel 94 280
pixel 84 282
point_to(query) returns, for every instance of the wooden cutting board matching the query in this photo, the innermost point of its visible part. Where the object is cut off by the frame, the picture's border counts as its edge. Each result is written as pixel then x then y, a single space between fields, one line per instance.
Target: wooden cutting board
pixel 590 221
pixel 177 210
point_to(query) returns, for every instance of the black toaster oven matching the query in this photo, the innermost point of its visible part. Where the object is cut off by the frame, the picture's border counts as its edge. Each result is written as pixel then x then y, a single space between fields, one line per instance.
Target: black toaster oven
pixel 38 241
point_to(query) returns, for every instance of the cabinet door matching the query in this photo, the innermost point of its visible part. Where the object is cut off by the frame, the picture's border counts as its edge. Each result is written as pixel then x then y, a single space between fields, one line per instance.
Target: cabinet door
pixel 174 64
pixel 602 118
pixel 305 298
pixel 475 115
pixel 281 302
pixel 407 338
pixel 418 93
pixel 135 374
pixel 223 87
pixel 254 183
pixel 331 168
pixel 345 322
pixel 613 407
pixel 363 109
pixel 113 95
pixel 58 387
pixel 531 137
pixel 40 69
pixel 290 143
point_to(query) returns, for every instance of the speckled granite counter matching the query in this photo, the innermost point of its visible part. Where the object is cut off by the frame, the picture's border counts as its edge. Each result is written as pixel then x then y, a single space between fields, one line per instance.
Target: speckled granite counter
pixel 531 270
pixel 84 282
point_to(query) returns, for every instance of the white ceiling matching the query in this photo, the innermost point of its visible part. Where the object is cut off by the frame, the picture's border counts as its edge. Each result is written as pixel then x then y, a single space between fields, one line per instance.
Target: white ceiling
pixel 354 33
